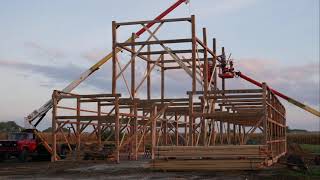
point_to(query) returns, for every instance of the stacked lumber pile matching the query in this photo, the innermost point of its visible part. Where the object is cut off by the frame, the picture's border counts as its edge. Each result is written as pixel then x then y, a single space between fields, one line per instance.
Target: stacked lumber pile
pixel 226 157
pixel 92 151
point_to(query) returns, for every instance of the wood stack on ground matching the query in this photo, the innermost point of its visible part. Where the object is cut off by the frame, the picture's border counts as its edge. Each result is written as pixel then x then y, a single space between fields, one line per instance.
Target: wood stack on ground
pixel 225 157
pixel 92 151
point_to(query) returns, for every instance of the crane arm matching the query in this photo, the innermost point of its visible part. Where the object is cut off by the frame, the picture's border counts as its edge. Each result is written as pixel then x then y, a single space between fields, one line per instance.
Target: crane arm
pixel 290 100
pixel 48 105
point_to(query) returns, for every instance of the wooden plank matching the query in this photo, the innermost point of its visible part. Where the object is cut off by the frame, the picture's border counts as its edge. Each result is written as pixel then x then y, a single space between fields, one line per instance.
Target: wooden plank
pixel 235 96
pixel 151 21
pixel 170 41
pixel 88 118
pixel 172 51
pixel 210 147
pixel 232 91
pixel 183 60
pixel 206 165
pixel 241 104
pixel 238 100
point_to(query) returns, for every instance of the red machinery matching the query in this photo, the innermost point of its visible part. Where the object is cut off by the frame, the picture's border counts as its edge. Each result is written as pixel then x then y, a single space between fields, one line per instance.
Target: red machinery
pixel 290 100
pixel 226 71
pixel 22 145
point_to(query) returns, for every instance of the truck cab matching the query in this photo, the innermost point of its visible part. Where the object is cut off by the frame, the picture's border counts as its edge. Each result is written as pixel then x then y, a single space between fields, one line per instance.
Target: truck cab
pixel 22 145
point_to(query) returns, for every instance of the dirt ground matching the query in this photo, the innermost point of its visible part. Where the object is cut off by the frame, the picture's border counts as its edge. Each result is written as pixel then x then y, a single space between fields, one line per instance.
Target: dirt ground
pixel 125 170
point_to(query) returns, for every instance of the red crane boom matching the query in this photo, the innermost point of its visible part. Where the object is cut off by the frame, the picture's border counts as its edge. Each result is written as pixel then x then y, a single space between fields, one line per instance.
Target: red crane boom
pixel 290 100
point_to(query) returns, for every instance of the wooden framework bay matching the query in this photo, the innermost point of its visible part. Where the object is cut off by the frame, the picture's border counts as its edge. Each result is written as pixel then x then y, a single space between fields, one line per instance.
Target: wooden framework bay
pixel 208 127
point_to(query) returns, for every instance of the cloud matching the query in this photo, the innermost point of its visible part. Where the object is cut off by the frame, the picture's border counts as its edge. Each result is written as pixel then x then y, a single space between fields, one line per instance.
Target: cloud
pixel 53 72
pixel 224 7
pixel 57 74
pixel 94 55
pixel 300 82
pixel 52 53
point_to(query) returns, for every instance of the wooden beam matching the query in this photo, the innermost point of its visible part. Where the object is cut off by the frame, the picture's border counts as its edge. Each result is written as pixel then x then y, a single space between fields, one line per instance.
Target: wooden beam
pixel 114 57
pixel 194 73
pixel 151 21
pixel 170 41
pixel 149 77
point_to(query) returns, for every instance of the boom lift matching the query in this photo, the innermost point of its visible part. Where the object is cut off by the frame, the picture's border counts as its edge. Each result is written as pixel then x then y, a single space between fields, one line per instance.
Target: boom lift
pixel 226 71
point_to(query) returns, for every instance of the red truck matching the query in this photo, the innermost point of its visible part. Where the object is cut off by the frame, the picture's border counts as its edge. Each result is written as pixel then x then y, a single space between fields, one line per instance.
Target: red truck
pixel 24 145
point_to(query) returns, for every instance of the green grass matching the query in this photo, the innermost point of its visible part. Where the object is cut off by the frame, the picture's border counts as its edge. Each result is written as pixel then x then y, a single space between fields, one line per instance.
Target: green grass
pixel 314 173
pixel 312 148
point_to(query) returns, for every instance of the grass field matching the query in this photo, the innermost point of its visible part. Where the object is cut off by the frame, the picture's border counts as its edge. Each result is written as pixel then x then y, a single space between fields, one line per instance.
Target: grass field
pixel 312 148
pixel 314 173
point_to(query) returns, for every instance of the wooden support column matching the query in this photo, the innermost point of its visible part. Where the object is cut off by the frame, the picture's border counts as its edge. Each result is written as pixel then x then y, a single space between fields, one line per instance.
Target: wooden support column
pixel 162 78
pixel 284 130
pixel 148 77
pixel 165 133
pixel 185 130
pixel 136 148
pixel 215 84
pixel 99 123
pixel 177 129
pixel 203 125
pixel 223 87
pixel 54 126
pixel 265 113
pixel 78 129
pixel 228 133
pixel 212 133
pixel 114 57
pixel 191 133
pixel 133 110
pixel 239 127
pixel 133 66
pixel 143 143
pixel 205 57
pixel 214 62
pixel 153 131
pixel 228 129
pixel 243 134
pixel 221 132
pixel 234 134
pixel 117 129
pixel 205 77
pixel 194 41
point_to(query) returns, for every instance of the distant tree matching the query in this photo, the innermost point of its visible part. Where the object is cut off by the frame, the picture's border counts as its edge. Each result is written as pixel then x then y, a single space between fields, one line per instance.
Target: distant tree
pixel 296 130
pixel 10 126
pixel 50 130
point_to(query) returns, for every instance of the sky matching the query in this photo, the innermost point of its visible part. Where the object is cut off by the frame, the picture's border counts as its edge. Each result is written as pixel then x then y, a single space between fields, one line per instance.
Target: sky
pixel 47 44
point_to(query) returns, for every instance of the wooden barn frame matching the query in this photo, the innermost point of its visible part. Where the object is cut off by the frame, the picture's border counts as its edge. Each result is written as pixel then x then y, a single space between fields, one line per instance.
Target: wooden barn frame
pixel 205 128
